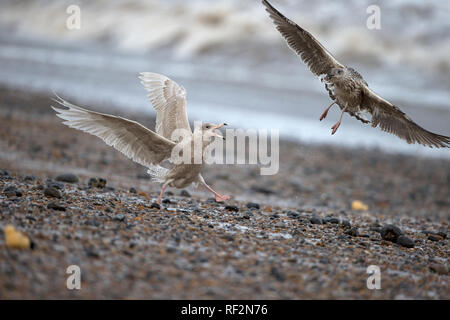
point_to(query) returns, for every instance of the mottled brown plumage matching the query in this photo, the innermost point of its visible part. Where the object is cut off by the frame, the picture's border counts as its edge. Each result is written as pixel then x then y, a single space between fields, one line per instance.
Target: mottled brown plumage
pixel 347 88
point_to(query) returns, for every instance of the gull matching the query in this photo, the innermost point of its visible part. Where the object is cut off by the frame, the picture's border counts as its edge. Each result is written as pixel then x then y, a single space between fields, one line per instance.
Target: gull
pixel 347 88
pixel 145 146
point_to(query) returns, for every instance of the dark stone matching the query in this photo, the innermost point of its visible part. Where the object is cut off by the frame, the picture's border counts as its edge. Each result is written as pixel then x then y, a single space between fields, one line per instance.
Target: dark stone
pixel 56 206
pixel 132 190
pixel 252 205
pixel 293 214
pixel 277 274
pixel 334 220
pixel 404 241
pixel 56 185
pixel 119 217
pixel 352 232
pixel 262 190
pixel 232 208
pixel 52 192
pixel 97 183
pixel 391 233
pixel 228 237
pixel 29 178
pixel 4 173
pixel 156 206
pixel 67 177
pixel 184 193
pixel 346 223
pixel 12 191
pixel 435 237
pixel 315 220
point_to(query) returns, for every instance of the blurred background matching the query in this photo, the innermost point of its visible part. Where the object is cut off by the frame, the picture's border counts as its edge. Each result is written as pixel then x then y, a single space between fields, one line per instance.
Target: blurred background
pixel 233 62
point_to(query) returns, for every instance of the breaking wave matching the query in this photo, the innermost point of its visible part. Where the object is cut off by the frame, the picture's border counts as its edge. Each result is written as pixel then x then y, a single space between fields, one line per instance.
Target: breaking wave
pixel 414 33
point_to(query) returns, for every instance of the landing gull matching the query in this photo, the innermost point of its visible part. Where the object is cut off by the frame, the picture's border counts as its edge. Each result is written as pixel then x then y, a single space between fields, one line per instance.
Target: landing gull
pixel 145 146
pixel 347 88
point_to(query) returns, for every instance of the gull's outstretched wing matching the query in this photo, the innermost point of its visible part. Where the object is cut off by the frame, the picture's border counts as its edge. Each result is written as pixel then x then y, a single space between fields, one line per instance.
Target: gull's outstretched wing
pixel 169 101
pixel 313 54
pixel 129 137
pixel 391 119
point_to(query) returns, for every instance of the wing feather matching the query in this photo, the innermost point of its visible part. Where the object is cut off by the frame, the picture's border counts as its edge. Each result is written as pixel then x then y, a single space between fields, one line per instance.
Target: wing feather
pixel 313 54
pixel 169 101
pixel 129 137
pixel 392 120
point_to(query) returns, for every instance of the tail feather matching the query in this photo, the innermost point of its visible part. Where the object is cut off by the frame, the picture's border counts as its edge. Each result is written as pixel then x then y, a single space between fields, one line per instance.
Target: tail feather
pixel 158 173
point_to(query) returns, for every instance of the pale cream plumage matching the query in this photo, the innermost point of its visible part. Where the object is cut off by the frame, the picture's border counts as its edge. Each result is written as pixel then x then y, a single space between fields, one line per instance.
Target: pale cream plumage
pixel 169 101
pixel 142 145
pixel 129 137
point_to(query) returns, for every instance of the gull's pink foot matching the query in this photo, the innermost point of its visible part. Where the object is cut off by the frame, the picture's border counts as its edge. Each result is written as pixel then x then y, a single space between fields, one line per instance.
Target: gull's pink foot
pixel 324 115
pixel 335 127
pixel 220 198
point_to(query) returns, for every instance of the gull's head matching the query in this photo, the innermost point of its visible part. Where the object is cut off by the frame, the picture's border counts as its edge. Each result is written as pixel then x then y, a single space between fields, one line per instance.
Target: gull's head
pixel 335 73
pixel 211 130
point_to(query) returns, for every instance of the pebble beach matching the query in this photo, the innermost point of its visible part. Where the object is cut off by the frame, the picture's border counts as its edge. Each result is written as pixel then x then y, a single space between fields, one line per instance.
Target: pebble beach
pixel 308 232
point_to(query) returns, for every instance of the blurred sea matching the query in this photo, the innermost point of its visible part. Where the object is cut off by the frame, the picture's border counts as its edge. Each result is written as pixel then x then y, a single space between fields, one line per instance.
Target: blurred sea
pixel 232 61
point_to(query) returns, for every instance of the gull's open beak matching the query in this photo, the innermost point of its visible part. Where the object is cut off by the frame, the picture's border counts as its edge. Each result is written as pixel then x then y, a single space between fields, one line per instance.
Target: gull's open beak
pixel 217 127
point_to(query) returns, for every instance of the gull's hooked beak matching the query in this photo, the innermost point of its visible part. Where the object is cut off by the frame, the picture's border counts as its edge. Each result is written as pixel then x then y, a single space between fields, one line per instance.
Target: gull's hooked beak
pixel 217 127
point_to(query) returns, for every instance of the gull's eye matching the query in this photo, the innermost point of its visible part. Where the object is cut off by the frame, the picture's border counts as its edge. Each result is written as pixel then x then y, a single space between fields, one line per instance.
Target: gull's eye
pixel 207 126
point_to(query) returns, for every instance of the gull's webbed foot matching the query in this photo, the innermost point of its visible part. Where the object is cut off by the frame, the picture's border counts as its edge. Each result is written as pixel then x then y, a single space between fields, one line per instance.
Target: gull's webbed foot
pixel 220 198
pixel 335 127
pixel 324 115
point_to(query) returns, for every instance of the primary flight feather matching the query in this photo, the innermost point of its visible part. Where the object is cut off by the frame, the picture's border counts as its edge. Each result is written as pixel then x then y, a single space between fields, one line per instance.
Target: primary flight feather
pixel 347 88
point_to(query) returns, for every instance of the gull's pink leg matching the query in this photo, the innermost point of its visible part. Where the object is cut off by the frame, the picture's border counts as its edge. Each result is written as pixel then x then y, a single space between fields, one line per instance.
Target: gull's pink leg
pixel 160 195
pixel 219 198
pixel 162 191
pixel 324 114
pixel 336 126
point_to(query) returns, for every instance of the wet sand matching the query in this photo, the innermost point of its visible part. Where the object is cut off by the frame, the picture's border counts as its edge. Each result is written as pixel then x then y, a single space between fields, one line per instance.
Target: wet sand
pixel 301 240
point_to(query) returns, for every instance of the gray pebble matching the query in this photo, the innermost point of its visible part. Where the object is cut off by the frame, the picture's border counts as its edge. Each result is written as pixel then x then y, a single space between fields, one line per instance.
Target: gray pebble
pixel 67 177
pixel 391 233
pixel 315 220
pixel 404 241
pixel 56 206
pixel 252 205
pixel 119 217
pixel 52 192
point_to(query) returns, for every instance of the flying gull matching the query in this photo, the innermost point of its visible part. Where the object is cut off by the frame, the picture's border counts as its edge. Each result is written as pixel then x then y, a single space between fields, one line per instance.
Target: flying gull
pixel 347 88
pixel 145 146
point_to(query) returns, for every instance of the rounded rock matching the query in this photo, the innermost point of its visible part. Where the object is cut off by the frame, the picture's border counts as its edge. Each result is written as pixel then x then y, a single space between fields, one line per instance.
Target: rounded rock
pixel 404 241
pixel 391 233
pixel 67 177
pixel 52 192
